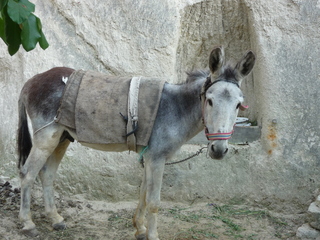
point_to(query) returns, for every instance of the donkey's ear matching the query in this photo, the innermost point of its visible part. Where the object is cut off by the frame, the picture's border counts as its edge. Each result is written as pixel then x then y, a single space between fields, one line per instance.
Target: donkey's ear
pixel 245 65
pixel 216 59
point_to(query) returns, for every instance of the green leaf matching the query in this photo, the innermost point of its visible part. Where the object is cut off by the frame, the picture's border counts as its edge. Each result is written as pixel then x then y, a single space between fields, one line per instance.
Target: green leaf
pixel 2 28
pixel 12 32
pixel 42 41
pixel 3 3
pixel 20 10
pixel 30 34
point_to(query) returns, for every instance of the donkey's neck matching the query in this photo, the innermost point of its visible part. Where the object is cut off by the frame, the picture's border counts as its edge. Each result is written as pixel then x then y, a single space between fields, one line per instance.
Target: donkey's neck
pixel 191 107
pixel 178 118
pixel 186 108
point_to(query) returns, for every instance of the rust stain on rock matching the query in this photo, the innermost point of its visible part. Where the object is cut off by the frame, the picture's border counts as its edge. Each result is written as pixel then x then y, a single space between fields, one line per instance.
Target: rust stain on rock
pixel 272 137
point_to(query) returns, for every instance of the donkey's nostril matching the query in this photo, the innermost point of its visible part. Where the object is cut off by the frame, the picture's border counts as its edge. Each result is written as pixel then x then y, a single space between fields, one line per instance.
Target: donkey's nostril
pixel 226 151
pixel 212 148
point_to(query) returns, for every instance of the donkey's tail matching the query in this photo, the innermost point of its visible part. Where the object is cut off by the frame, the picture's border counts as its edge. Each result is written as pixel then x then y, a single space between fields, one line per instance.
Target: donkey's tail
pixel 24 142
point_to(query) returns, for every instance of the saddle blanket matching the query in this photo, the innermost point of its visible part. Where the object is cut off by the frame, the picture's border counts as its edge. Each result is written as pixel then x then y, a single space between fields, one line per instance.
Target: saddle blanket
pixel 92 104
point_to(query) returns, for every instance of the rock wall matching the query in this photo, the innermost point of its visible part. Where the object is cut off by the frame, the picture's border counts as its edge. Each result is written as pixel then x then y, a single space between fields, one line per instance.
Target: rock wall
pixel 165 39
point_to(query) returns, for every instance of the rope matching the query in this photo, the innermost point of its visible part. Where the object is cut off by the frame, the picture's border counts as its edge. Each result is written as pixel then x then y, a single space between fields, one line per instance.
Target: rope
pixel 140 159
pixel 171 163
pixel 44 126
pixel 185 159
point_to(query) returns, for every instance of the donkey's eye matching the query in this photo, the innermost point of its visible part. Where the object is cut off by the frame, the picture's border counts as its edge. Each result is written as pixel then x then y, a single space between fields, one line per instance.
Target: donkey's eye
pixel 239 104
pixel 210 102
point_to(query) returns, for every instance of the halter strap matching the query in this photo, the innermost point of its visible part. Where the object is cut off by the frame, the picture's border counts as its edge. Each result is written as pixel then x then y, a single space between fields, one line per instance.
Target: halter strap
pixel 218 136
pixel 208 83
pixel 225 80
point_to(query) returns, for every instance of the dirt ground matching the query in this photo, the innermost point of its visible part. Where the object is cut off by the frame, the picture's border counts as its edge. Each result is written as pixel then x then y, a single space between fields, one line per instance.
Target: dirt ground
pixel 88 220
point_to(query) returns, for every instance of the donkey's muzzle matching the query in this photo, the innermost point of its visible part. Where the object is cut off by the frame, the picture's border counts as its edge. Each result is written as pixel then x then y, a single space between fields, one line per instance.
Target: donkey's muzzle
pixel 218 149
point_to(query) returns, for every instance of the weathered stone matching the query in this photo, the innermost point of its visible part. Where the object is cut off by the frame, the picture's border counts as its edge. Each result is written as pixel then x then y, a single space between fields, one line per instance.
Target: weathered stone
pixel 305 232
pixel 317 202
pixel 72 203
pixel 314 216
pixel 3 180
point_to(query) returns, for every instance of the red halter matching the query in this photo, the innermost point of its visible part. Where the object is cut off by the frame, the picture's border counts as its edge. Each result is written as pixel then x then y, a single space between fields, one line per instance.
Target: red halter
pixel 218 136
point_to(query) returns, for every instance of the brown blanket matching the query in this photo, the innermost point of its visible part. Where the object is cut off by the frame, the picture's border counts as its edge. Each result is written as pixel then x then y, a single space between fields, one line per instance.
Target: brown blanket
pixel 92 103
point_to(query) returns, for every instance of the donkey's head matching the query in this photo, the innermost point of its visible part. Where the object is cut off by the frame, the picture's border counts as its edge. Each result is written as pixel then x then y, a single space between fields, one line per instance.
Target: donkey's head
pixel 222 98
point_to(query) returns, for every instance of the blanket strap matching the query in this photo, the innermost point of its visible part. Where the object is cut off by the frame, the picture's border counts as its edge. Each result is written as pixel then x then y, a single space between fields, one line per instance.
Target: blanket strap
pixel 132 124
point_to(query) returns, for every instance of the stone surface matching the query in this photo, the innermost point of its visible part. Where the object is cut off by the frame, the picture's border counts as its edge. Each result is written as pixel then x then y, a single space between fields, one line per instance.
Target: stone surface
pixel 305 232
pixel 165 39
pixel 314 216
pixel 317 202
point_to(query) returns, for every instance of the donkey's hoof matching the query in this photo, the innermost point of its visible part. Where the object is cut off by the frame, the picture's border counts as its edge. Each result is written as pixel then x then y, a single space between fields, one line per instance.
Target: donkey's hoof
pixel 141 237
pixel 59 226
pixel 30 232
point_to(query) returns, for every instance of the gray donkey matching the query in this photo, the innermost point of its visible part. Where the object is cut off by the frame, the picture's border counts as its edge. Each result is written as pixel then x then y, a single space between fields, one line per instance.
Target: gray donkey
pixel 209 100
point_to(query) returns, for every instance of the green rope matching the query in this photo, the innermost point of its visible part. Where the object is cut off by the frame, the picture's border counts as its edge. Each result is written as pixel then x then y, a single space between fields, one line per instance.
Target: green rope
pixel 141 153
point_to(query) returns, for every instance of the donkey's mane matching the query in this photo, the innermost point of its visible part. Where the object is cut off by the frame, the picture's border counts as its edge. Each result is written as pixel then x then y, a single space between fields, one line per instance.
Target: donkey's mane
pixel 197 74
pixel 227 72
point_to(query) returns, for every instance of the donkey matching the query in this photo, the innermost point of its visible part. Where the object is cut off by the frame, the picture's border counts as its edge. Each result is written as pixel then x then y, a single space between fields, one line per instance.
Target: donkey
pixel 208 100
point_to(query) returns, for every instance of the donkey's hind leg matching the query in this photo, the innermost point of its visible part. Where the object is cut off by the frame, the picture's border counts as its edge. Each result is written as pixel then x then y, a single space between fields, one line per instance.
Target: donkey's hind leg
pixel 44 143
pixel 47 175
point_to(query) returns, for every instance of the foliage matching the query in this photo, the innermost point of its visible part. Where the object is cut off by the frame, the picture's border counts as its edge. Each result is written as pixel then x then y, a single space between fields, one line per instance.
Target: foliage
pixel 18 25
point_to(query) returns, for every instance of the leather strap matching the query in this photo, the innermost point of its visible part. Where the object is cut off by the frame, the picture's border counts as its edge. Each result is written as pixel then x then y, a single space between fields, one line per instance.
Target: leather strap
pixel 133 113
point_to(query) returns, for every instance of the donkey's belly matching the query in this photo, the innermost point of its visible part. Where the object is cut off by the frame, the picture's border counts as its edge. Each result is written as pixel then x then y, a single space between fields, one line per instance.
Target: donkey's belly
pixel 113 147
pixel 110 147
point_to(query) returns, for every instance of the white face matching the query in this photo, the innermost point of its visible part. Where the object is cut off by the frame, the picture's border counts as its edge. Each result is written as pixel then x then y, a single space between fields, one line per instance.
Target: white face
pixel 223 100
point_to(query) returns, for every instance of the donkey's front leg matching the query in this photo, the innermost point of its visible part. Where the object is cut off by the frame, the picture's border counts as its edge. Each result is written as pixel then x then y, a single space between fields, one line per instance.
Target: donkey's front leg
pixel 154 175
pixel 138 218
